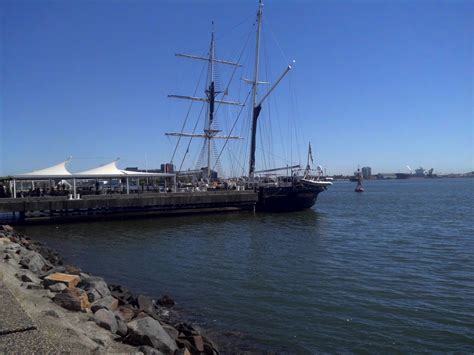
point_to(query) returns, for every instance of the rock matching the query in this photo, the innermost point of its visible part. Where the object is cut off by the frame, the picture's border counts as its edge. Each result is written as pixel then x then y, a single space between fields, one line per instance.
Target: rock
pixel 145 304
pixel 14 239
pixel 108 303
pixel 142 315
pixel 12 256
pixel 52 313
pixel 5 241
pixel 163 313
pixel 183 351
pixel 28 276
pixel 172 331
pixel 72 299
pixel 70 281
pixel 124 295
pixel 60 269
pixel 35 262
pixel 33 286
pixel 57 287
pixel 148 350
pixel 198 343
pixel 7 228
pixel 187 329
pixel 122 328
pixel 106 319
pixel 148 331
pixel 49 254
pixel 96 288
pixel 166 301
pixel 126 313
pixel 73 270
pixel 183 343
pixel 49 294
pixel 84 276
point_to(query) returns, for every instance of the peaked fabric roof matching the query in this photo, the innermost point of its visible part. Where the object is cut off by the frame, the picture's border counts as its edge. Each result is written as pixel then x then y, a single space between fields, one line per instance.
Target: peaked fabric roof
pixel 55 170
pixel 111 170
pixel 107 169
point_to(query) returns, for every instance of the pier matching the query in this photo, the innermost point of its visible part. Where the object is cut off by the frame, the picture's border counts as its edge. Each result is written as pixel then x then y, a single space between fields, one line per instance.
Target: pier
pixel 30 209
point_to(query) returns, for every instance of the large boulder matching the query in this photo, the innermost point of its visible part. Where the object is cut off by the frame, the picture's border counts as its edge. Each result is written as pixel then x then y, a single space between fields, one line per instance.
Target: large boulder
pixel 122 328
pixel 57 287
pixel 49 254
pixel 70 281
pixel 148 331
pixel 96 288
pixel 106 319
pixel 126 313
pixel 166 301
pixel 73 270
pixel 146 304
pixel 28 276
pixel 124 295
pixel 72 299
pixel 35 262
pixel 108 303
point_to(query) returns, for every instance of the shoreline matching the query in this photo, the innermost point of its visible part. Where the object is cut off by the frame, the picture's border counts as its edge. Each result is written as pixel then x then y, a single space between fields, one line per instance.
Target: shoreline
pixel 75 311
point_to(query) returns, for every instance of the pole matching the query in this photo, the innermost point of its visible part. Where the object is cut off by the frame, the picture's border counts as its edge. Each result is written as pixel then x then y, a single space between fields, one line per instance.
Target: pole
pixel 14 188
pixel 211 97
pixel 255 108
pixel 128 186
pixel 74 188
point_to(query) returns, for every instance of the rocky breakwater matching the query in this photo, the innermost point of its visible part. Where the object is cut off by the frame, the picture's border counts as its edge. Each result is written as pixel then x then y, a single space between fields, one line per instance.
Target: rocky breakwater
pixel 138 322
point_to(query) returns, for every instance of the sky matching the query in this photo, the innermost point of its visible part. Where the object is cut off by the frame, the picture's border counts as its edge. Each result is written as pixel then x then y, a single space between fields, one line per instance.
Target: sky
pixel 376 83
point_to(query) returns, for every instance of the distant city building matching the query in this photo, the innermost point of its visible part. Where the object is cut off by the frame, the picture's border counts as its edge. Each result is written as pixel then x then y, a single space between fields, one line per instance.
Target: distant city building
pixel 167 168
pixel 366 172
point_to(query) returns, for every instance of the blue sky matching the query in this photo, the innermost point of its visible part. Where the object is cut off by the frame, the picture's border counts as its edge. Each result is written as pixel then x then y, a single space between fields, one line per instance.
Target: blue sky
pixel 377 83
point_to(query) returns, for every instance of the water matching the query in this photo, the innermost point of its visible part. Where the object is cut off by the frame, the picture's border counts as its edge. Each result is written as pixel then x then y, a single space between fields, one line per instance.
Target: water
pixel 388 270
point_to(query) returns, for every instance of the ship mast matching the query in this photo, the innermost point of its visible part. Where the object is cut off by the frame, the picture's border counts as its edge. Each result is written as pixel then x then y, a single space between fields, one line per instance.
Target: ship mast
pixel 211 93
pixel 257 106
pixel 211 96
pixel 255 109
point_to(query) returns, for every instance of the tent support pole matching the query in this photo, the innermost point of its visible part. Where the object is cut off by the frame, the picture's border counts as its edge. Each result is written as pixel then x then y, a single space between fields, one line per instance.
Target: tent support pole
pixel 128 187
pixel 74 187
pixel 14 188
pixel 174 181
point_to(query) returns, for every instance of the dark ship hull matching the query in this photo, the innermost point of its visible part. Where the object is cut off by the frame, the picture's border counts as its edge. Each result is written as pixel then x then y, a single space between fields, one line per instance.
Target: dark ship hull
pixel 402 176
pixel 287 198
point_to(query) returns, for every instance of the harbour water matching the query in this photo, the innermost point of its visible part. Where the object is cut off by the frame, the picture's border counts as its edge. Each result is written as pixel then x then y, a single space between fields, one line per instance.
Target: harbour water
pixel 390 269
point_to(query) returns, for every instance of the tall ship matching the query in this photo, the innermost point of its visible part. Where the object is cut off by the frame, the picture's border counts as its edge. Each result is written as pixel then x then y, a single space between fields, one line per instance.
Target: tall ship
pixel 106 191
pixel 296 190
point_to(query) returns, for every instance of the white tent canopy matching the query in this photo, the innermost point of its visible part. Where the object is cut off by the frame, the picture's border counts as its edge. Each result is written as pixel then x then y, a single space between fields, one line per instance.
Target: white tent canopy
pixel 55 171
pixel 109 170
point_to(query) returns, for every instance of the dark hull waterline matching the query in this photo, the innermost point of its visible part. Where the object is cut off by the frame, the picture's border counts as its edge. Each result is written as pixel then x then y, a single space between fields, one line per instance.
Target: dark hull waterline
pixel 287 199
